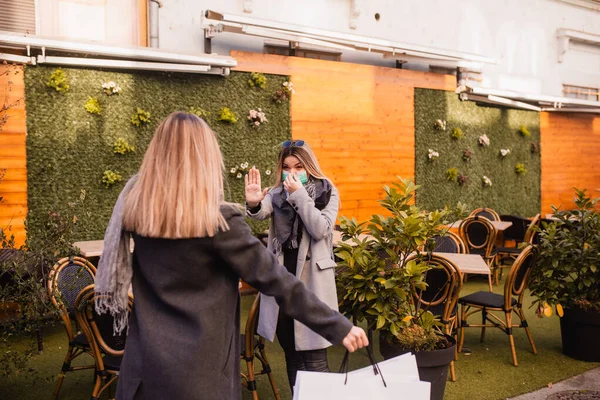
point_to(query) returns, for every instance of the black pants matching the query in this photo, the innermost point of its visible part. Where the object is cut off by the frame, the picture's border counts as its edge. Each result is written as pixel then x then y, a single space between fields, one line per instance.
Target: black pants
pixel 309 360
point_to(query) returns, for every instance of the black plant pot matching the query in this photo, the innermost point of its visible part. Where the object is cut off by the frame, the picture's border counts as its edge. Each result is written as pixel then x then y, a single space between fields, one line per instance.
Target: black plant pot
pixel 580 330
pixel 432 365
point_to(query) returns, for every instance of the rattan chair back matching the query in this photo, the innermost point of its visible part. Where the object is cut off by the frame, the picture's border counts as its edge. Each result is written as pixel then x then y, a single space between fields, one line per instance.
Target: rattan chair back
pixel 485 212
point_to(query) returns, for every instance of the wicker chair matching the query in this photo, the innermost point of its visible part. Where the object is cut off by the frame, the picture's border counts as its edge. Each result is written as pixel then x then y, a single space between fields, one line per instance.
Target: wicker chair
pixel 513 252
pixel 441 296
pixel 448 242
pixel 485 212
pixel 486 302
pixel 107 348
pixel 66 279
pixel 479 236
pixel 253 347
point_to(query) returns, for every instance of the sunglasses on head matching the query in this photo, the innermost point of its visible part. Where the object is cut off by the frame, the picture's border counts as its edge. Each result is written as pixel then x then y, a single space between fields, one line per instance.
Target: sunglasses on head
pixel 292 143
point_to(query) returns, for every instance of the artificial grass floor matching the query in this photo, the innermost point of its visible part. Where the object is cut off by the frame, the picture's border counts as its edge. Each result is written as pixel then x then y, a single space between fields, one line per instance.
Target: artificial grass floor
pixel 487 373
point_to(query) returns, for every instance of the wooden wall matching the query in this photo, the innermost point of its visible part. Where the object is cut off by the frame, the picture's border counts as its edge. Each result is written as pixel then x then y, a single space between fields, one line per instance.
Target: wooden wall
pixel 358 119
pixel 13 189
pixel 570 148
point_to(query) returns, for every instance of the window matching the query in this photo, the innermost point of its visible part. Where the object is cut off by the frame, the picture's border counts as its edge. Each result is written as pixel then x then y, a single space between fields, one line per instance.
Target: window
pixel 581 92
pixel 17 16
pixel 301 52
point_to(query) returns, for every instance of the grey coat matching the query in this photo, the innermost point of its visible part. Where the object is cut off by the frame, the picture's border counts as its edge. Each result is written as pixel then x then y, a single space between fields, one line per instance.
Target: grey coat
pixel 315 267
pixel 184 336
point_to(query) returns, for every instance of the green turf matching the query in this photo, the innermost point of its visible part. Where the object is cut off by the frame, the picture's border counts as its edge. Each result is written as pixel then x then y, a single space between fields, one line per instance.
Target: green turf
pixel 487 373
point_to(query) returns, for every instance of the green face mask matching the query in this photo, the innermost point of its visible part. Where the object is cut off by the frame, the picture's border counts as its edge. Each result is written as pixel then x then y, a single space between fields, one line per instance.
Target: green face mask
pixel 302 176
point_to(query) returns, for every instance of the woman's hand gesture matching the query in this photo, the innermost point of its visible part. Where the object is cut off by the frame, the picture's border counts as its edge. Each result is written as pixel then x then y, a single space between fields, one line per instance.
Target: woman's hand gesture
pixel 254 193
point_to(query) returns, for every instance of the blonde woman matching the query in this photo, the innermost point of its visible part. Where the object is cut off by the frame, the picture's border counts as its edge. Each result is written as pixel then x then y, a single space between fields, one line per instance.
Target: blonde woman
pixel 303 207
pixel 191 248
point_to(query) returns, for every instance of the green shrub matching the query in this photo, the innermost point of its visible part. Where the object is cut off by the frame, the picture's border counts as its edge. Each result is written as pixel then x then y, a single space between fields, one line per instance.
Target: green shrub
pixel 199 112
pixel 109 178
pixel 452 174
pixel 140 117
pixel 58 81
pixel 226 115
pixel 524 131
pixel 457 134
pixel 92 105
pixel 122 146
pixel 520 169
pixel 257 80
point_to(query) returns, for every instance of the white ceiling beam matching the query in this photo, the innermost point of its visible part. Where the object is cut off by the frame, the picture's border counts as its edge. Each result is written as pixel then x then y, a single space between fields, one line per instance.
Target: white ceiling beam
pixel 17 59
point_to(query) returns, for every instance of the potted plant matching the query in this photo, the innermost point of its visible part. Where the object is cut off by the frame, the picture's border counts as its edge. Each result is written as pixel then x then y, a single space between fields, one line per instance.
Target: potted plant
pixel 566 276
pixel 378 278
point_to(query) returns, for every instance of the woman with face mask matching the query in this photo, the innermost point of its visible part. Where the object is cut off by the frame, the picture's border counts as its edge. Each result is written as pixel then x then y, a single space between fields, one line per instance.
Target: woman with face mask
pixel 303 207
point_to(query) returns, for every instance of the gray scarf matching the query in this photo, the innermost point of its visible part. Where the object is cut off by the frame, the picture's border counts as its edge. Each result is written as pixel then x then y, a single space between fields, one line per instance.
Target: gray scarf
pixel 115 268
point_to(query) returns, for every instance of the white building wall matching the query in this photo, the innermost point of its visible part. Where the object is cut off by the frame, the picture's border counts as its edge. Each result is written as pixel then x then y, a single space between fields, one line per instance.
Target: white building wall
pixel 520 34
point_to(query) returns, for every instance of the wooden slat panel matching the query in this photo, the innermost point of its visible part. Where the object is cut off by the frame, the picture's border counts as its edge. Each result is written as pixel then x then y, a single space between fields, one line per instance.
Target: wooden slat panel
pixel 13 189
pixel 572 165
pixel 358 119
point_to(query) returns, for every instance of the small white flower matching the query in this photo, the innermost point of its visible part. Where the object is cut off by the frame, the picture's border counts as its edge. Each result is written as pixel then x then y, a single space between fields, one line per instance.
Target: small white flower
pixel 268 172
pixel 441 125
pixel 233 170
pixel 239 175
pixel 504 152
pixel 486 181
pixel 484 140
pixel 285 83
pixel 433 154
pixel 244 165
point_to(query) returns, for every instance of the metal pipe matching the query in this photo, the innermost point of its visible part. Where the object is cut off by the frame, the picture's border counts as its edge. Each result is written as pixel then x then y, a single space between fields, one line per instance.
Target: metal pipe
pixel 153 21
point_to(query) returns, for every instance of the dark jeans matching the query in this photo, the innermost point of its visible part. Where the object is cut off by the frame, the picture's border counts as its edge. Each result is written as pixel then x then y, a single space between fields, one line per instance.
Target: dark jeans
pixel 310 360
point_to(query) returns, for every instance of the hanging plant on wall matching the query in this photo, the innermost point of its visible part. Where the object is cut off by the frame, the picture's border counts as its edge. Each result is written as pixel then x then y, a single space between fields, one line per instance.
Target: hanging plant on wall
pixel 256 118
pixel 284 93
pixel 111 88
pixel 240 170
pixel 452 174
pixel 257 80
pixel 140 117
pixel 123 147
pixel 520 169
pixel 457 134
pixel 432 155
pixel 110 177
pixel 524 131
pixel 92 105
pixel 226 115
pixel 535 147
pixel 487 182
pixel 467 154
pixel 504 152
pixel 58 81
pixel 440 125
pixel 483 140
pixel 199 112
pixel 462 180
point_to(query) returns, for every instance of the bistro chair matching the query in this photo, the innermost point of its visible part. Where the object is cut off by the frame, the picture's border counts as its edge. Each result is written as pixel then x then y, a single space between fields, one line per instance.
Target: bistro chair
pixel 513 252
pixel 65 280
pixel 107 348
pixel 253 348
pixel 441 295
pixel 479 236
pixel 485 212
pixel 486 303
pixel 448 242
pixel 516 232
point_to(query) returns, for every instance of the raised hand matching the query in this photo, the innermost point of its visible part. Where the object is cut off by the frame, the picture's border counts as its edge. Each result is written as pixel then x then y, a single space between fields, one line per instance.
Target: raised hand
pixel 254 193
pixel 355 339
pixel 292 183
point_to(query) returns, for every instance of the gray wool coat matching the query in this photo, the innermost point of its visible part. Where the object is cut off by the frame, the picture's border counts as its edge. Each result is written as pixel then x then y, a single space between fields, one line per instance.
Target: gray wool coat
pixel 184 336
pixel 315 267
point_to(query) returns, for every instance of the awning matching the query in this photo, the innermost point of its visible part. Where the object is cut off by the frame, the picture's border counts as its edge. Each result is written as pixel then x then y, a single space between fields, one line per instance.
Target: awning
pixel 31 49
pixel 525 101
pixel 214 22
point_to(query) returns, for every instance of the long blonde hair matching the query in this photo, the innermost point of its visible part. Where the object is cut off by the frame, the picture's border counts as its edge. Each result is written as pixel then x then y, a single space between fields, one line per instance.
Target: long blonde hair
pixel 180 185
pixel 306 156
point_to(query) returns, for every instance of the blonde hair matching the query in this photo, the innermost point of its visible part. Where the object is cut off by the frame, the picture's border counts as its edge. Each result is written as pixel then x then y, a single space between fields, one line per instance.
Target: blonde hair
pixel 306 156
pixel 180 186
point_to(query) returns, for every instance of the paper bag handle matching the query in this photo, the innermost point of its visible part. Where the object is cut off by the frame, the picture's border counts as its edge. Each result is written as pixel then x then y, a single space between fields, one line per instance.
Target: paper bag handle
pixel 376 370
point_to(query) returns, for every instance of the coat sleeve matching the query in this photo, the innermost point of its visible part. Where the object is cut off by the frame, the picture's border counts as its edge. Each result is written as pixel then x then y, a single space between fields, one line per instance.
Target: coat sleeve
pixel 263 210
pixel 250 260
pixel 318 223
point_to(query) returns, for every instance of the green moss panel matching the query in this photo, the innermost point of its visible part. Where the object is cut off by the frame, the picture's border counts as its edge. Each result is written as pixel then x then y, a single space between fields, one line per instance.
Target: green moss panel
pixel 510 193
pixel 68 148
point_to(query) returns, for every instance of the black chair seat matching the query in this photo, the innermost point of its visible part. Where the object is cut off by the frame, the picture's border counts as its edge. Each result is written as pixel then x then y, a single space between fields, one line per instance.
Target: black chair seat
pixel 81 341
pixel 508 250
pixel 485 299
pixel 112 363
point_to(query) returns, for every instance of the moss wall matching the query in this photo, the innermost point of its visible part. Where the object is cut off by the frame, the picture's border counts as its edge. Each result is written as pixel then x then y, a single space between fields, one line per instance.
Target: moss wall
pixel 68 148
pixel 510 193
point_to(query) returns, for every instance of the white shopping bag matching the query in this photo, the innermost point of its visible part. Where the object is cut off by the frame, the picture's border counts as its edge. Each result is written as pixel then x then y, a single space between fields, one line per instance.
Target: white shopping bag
pixel 401 382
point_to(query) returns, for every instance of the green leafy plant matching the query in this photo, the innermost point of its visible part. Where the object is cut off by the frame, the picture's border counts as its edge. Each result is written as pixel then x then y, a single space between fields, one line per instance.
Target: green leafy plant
pixel 58 81
pixel 524 131
pixel 199 112
pixel 452 174
pixel 109 178
pixel 520 169
pixel 92 105
pixel 257 80
pixel 140 117
pixel 457 134
pixel 567 270
pixel 226 115
pixel 123 147
pixel 284 93
pixel 377 279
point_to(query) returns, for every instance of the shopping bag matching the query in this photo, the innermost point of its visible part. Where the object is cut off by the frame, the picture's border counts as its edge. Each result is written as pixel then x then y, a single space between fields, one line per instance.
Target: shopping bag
pixel 399 379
